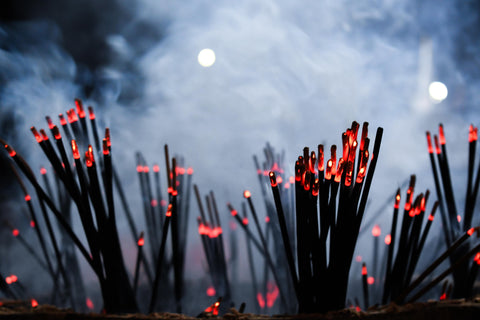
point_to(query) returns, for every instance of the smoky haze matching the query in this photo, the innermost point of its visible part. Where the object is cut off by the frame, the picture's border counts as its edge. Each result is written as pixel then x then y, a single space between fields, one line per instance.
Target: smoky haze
pixel 291 73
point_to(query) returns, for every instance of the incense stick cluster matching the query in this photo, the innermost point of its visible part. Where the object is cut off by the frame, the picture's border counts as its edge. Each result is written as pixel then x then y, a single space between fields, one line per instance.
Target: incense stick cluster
pixel 330 200
pixel 454 225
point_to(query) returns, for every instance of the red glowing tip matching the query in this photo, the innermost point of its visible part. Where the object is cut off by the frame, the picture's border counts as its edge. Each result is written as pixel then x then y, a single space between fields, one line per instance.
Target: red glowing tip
pixel 34 303
pixel 471 231
pixel 441 134
pixel 376 231
pixel 91 113
pixel 106 151
pixel 32 224
pixel 76 153
pixel 72 116
pixel 260 300
pixel 139 168
pixel 89 159
pixel 247 194
pixel 211 291
pixel 50 122
pixel 141 242
pixel 459 218
pixel 364 270
pixel 273 179
pixel 27 197
pixel 267 219
pixel 44 134
pixel 10 151
pixel 43 170
pixel 169 211
pixel 245 221
pixel 437 146
pixel 56 133
pixel 80 110
pixel 430 217
pixel 397 200
pixel 107 137
pixel 233 212
pixel 156 168
pixel 388 239
pixel 15 232
pixel 63 122
pixel 154 203
pixel 37 135
pixel 8 280
pixel 429 142
pixel 163 202
pixel 477 258
pixel 89 304
pixel 14 278
pixel 472 134
pixel 190 171
pixel 443 296
pixel 371 280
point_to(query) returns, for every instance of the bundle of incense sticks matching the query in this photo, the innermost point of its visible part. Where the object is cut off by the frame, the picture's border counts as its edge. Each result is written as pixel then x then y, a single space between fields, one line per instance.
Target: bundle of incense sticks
pixel 408 242
pixel 211 234
pixel 330 202
pixel 179 181
pixel 454 225
pixel 92 194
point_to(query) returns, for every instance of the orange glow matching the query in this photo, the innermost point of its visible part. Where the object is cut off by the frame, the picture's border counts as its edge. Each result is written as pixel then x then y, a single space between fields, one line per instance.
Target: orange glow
pixel 388 239
pixel 50 122
pixel 279 180
pixel 89 159
pixel 107 137
pixel 338 174
pixel 10 151
pixel 56 133
pixel 106 152
pixel 89 304
pixel 163 203
pixel 333 157
pixel 233 212
pixel 63 122
pixel 80 110
pixel 273 180
pixel 376 231
pixel 37 135
pixel 32 224
pixel 15 232
pixel 8 280
pixel 291 179
pixel 156 168
pixel 411 213
pixel 245 221
pixel 459 218
pixel 477 258
pixel 260 300
pixel 139 168
pixel 211 291
pixel 328 173
pixel 371 280
pixel 215 232
pixel 272 294
pixel 471 231
pixel 169 190
pixel 275 167
pixel 34 303
pixel 141 241
pixel 76 153
pixel 43 170
pixel 146 169
pixel 204 230
pixel 397 200
pixel 91 113
pixel 430 217
pixel 364 270
pixel 443 296
pixel 422 205
pixel 287 185
pixel 169 211
pixel 361 173
pixel 441 134
pixel 320 158
pixel 472 134
pixel 72 116
pixel 429 142
pixel 247 194
pixel 14 278
pixel 312 161
pixel 44 134
pixel 175 192
pixel 358 309
pixel 190 170
pixel 267 219
pixel 27 197
pixel 154 203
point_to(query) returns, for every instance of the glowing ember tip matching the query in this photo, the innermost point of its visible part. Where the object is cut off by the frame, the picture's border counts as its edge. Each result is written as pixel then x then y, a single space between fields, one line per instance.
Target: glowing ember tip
pixel 376 231
pixel 43 170
pixel 169 211
pixel 471 231
pixel 388 239
pixel 27 197
pixel 10 150
pixel 15 232
pixel 34 303
pixel 91 113
pixel 273 179
pixel 37 135
pixel 190 171
pixel 141 242
pixel 89 304
pixel 247 194
pixel 370 280
pixel 105 147
pixel 441 134
pixel 211 291
pixel 156 168
pixel 472 134
pixel 76 153
pixel 364 269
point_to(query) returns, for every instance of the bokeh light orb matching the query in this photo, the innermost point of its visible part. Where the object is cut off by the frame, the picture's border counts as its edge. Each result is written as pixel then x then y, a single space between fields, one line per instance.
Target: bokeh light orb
pixel 438 91
pixel 206 58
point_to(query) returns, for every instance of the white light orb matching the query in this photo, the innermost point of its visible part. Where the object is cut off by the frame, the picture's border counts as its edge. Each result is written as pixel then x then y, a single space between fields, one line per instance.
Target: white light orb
pixel 438 91
pixel 206 58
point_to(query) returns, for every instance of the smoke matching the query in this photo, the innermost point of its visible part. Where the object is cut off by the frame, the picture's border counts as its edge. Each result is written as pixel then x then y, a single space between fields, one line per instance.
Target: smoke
pixel 293 74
